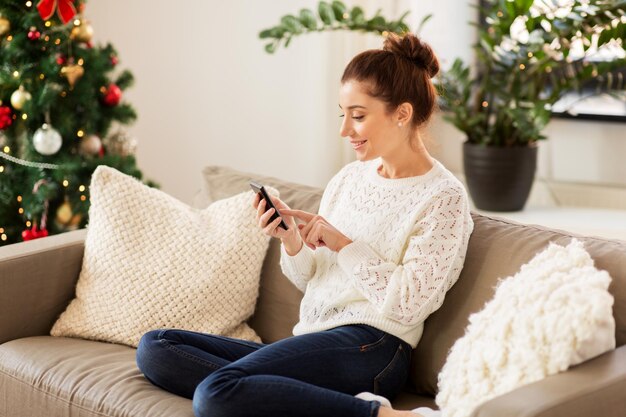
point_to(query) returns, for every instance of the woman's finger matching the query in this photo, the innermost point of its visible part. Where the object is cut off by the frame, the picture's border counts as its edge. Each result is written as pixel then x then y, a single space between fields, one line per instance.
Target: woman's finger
pixel 255 201
pixel 270 229
pixel 309 235
pixel 303 230
pixel 303 235
pixel 316 235
pixel 309 225
pixel 281 206
pixel 301 215
pixel 265 217
pixel 260 208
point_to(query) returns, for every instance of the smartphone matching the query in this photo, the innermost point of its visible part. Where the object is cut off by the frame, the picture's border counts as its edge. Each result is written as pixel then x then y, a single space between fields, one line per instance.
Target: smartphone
pixel 258 188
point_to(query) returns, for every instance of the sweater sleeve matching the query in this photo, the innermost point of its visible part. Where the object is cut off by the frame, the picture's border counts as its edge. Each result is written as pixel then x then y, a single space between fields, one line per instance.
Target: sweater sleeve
pixel 302 267
pixel 411 291
pixel 299 268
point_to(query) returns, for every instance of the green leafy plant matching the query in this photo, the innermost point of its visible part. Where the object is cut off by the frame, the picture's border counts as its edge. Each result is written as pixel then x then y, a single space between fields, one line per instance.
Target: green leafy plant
pixel 330 16
pixel 529 54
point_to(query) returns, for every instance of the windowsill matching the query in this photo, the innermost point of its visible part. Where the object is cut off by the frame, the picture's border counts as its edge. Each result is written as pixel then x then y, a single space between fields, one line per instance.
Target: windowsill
pixel 566 206
pixel 607 223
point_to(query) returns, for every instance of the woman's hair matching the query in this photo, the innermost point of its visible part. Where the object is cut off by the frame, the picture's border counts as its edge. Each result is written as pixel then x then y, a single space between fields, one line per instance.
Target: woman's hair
pixel 399 72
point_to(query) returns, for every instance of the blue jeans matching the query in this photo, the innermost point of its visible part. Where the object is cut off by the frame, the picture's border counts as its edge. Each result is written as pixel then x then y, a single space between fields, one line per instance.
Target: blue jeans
pixel 311 375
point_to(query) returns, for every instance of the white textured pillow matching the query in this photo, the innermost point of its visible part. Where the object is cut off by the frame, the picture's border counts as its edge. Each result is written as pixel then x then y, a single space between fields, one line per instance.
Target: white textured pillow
pixel 153 262
pixel 554 313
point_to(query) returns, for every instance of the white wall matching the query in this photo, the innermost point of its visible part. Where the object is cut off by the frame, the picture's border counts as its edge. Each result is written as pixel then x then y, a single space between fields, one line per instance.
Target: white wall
pixel 207 93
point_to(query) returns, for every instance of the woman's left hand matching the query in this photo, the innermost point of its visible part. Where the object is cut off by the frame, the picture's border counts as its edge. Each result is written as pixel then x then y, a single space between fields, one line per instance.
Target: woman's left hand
pixel 317 232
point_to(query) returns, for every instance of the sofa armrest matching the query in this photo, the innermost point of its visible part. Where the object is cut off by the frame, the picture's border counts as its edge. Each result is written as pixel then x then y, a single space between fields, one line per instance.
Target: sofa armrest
pixel 593 388
pixel 37 281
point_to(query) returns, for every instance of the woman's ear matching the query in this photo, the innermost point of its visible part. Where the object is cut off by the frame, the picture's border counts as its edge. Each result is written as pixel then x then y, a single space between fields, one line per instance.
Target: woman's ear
pixel 404 113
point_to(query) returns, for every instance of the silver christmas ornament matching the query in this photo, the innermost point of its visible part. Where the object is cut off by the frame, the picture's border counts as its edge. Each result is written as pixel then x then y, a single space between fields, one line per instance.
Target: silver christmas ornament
pixel 47 140
pixel 120 143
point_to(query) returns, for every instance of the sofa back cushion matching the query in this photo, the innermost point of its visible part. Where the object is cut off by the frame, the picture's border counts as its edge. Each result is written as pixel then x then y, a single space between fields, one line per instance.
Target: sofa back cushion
pixel 278 306
pixel 497 249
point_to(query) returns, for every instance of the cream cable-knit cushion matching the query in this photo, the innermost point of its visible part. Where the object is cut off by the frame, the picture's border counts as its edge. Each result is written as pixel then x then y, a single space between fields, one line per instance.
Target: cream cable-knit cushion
pixel 153 262
pixel 554 313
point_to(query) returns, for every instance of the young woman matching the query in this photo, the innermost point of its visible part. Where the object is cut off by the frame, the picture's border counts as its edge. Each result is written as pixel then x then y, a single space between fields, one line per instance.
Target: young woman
pixel 388 243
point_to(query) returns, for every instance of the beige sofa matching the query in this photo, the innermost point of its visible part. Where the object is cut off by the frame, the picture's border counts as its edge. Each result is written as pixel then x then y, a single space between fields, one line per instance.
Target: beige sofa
pixel 54 377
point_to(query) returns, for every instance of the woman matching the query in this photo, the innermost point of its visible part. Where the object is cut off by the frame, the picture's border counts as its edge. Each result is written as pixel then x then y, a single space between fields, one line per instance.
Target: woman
pixel 389 242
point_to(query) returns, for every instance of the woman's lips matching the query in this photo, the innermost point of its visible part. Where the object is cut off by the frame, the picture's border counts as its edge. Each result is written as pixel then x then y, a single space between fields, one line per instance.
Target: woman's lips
pixel 358 144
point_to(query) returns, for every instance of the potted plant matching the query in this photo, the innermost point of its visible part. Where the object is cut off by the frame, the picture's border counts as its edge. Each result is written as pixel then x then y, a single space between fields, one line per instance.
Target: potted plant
pixel 529 54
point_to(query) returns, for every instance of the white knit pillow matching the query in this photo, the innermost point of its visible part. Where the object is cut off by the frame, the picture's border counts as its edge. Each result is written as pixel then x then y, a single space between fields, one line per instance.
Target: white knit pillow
pixel 153 262
pixel 554 313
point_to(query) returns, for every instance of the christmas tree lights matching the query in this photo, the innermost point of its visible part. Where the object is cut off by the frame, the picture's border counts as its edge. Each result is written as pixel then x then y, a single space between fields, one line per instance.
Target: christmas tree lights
pixel 61 115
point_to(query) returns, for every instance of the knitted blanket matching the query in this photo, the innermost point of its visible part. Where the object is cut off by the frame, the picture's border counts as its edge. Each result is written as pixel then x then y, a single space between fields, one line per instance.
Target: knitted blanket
pixel 554 313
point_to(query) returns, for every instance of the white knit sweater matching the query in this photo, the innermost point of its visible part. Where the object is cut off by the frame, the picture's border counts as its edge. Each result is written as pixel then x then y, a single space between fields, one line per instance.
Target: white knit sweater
pixel 409 241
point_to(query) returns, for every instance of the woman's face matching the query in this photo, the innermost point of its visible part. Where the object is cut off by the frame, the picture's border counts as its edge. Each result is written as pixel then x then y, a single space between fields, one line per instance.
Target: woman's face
pixel 371 131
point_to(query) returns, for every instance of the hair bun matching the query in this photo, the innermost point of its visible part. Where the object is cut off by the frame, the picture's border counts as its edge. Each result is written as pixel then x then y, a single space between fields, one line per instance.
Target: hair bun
pixel 411 47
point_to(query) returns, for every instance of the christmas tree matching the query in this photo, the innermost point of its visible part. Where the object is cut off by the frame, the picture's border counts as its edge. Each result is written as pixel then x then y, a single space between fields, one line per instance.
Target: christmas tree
pixel 61 115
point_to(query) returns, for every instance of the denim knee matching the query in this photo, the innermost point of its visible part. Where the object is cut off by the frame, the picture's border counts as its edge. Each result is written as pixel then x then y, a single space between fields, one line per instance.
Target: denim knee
pixel 214 396
pixel 149 353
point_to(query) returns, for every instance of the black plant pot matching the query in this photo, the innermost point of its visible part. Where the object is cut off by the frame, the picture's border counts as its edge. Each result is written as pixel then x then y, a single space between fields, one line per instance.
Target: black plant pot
pixel 499 179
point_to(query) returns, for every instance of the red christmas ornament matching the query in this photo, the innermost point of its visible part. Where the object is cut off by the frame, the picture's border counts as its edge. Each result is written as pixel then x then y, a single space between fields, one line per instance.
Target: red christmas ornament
pixel 6 117
pixel 34 233
pixel 112 96
pixel 34 34
pixel 27 235
pixel 61 59
pixel 64 8
pixel 101 152
pixel 114 60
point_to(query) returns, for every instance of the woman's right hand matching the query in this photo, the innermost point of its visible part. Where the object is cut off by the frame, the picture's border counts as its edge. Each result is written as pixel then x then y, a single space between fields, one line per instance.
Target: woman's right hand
pixel 291 238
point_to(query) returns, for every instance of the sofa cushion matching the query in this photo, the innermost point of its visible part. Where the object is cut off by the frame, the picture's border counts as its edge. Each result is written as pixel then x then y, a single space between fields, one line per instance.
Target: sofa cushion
pixel 221 182
pixel 278 305
pixel 55 376
pixel 497 249
pixel 152 262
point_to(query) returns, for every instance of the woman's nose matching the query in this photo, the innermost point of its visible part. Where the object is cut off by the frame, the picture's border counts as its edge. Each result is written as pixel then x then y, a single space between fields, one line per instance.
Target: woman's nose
pixel 345 129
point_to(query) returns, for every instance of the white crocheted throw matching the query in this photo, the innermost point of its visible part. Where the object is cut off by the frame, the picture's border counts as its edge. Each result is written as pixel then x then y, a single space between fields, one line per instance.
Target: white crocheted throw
pixel 554 313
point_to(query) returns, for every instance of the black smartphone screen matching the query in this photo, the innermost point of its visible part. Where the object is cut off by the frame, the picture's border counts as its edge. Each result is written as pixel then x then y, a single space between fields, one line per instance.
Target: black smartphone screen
pixel 268 203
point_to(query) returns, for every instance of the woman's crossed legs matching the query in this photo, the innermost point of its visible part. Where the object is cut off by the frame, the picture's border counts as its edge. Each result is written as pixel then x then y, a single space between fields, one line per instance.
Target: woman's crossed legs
pixel 311 375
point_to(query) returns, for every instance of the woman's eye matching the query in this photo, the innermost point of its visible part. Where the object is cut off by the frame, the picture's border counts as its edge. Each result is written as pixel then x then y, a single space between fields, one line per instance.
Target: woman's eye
pixel 354 117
